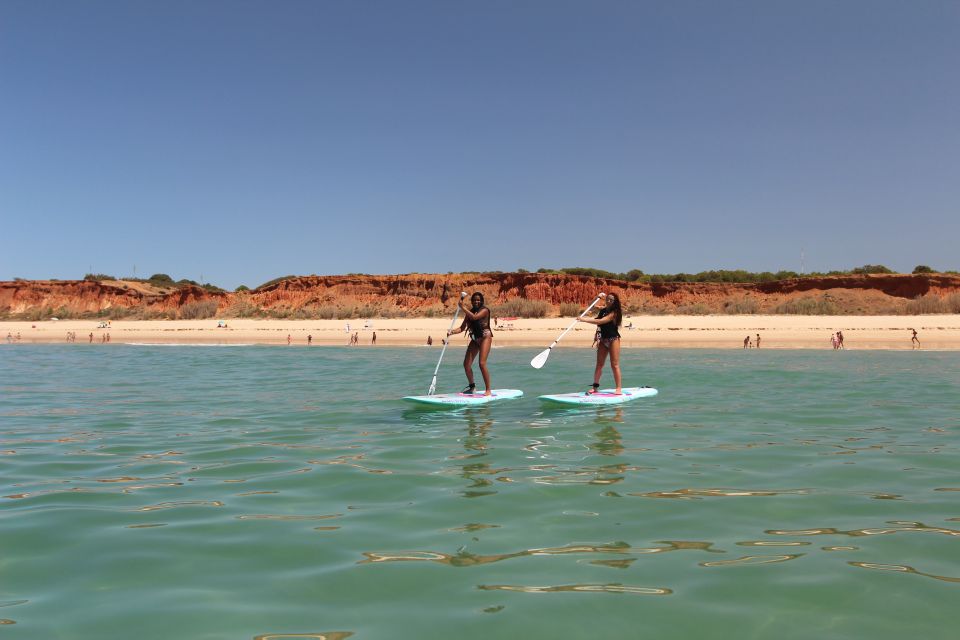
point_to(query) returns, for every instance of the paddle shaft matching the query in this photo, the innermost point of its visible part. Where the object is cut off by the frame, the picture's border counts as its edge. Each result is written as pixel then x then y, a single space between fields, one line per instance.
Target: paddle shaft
pixel 446 341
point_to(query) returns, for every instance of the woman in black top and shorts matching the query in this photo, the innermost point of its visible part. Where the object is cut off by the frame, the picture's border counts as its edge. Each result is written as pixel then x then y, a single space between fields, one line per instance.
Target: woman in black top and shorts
pixel 608 340
pixel 477 320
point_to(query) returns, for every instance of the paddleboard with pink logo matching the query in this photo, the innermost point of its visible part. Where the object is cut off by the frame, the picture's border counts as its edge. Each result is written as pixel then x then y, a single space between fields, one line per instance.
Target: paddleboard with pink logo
pixel 466 399
pixel 603 396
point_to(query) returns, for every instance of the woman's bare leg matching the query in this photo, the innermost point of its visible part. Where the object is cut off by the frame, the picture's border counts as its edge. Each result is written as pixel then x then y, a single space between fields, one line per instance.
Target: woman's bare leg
pixel 471 353
pixel 484 352
pixel 601 359
pixel 615 363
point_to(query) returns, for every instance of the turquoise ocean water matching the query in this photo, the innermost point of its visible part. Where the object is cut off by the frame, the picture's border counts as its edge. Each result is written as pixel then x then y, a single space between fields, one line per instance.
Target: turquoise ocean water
pixel 159 492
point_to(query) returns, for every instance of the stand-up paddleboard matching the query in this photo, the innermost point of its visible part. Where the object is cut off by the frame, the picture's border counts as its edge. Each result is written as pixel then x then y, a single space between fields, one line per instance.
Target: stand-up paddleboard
pixel 466 399
pixel 603 396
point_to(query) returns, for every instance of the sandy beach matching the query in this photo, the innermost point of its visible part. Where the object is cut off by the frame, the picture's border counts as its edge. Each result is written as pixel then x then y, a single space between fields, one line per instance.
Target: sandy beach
pixel 936 332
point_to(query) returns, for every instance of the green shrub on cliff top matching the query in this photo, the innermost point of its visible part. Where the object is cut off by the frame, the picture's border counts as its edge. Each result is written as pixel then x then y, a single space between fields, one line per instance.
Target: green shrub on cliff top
pixel 275 281
pixel 871 268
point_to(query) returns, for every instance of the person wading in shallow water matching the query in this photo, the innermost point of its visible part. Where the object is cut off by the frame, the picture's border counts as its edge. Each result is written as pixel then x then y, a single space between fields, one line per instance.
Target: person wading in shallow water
pixel 476 320
pixel 608 340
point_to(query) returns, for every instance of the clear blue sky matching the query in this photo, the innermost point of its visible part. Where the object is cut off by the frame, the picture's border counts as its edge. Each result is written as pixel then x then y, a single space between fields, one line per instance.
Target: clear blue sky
pixel 248 140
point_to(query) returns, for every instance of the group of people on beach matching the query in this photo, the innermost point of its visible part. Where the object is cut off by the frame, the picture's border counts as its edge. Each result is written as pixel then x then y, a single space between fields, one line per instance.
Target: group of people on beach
pixel 749 344
pixel 355 339
pixel 476 323
pixel 837 340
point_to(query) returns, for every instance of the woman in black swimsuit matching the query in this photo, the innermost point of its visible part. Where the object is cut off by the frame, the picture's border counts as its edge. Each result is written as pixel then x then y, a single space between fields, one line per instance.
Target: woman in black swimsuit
pixel 608 340
pixel 477 321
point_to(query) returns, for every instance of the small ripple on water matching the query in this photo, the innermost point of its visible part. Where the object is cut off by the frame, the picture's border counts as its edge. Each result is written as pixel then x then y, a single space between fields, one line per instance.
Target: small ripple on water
pixel 465 559
pixel 750 560
pixel 181 503
pixel 325 635
pixel 696 494
pixel 289 517
pixel 909 527
pixel 901 568
pixel 580 588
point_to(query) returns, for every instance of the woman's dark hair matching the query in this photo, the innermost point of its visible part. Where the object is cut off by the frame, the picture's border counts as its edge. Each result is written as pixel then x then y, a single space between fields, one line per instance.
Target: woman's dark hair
pixel 475 294
pixel 615 307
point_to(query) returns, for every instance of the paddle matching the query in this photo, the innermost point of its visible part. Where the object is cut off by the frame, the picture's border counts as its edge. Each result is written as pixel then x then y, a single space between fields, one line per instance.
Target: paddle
pixel 446 341
pixel 541 358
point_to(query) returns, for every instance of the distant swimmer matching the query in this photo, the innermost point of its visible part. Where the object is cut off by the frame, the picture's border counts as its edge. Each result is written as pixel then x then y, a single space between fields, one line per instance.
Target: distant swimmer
pixel 607 339
pixel 477 321
pixel 914 341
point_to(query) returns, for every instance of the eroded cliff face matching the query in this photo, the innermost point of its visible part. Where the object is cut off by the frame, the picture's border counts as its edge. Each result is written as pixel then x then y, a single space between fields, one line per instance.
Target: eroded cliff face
pixel 89 297
pixel 417 294
pixel 415 291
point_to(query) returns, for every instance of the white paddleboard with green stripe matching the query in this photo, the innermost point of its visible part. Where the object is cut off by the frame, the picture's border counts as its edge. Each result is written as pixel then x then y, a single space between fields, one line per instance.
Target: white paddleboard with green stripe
pixel 466 399
pixel 603 396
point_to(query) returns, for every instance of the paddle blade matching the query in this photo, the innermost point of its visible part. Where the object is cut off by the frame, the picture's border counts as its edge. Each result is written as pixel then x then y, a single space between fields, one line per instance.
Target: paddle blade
pixel 540 359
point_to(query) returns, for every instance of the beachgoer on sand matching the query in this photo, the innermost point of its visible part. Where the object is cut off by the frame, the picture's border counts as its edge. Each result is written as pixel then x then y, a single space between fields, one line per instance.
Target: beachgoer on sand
pixel 429 341
pixel 373 340
pixel 746 342
pixel 839 339
pixel 309 339
pixel 914 341
pixel 758 341
pixel 608 321
pixel 477 320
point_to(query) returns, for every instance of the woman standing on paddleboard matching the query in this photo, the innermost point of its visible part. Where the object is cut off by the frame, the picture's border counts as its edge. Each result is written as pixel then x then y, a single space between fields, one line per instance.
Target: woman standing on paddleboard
pixel 608 339
pixel 477 320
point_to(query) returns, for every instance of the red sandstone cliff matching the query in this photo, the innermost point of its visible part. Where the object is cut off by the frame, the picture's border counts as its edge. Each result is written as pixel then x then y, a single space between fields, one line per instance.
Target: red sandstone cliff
pixel 418 294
